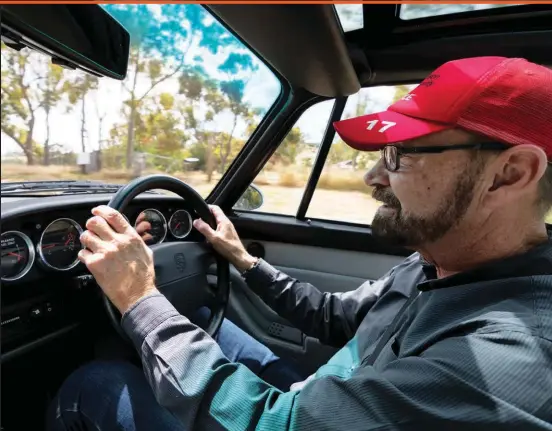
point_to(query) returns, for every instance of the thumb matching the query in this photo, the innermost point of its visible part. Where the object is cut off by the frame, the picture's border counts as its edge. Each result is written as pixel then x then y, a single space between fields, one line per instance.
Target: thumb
pixel 204 228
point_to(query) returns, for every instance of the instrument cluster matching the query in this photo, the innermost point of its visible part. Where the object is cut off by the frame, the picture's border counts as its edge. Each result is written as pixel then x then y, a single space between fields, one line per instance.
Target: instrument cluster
pixel 57 245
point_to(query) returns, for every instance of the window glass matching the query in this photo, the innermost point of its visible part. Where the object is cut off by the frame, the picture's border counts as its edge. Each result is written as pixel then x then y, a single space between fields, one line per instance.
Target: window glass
pixel 413 11
pixel 283 179
pixel 191 97
pixel 341 194
pixel 350 16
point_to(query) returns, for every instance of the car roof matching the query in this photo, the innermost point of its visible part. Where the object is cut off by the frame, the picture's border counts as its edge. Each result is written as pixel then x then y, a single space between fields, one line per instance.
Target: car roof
pixel 305 43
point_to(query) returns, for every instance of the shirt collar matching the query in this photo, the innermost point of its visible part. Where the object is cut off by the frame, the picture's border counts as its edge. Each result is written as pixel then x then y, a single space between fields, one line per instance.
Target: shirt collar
pixel 536 261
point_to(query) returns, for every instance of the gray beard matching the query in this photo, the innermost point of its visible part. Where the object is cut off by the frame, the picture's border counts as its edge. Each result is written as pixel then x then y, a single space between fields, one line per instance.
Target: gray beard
pixel 412 231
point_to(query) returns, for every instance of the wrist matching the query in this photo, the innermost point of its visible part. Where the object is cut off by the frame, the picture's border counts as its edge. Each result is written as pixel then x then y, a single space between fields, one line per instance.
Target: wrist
pixel 124 304
pixel 245 263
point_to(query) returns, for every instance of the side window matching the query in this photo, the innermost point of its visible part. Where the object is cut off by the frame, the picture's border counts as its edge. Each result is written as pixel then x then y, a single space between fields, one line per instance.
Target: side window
pixel 341 193
pixel 279 187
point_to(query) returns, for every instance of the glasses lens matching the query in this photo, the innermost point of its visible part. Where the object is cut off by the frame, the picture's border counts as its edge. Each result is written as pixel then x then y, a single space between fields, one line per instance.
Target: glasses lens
pixel 390 157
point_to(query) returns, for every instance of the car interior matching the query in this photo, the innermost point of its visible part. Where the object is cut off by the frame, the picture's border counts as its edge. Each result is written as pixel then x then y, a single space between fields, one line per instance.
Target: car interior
pixel 54 317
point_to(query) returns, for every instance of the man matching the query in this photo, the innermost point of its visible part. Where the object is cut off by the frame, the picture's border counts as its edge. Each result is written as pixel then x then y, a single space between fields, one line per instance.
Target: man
pixel 458 336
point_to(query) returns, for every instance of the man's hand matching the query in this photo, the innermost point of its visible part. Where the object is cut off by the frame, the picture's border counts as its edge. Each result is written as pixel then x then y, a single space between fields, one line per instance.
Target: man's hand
pixel 118 258
pixel 225 240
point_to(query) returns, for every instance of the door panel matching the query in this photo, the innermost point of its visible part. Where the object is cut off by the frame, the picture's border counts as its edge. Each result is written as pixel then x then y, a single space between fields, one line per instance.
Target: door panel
pixel 329 269
pixel 314 252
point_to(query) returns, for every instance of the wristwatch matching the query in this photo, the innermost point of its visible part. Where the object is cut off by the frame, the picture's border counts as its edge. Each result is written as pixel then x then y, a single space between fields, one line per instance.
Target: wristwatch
pixel 246 272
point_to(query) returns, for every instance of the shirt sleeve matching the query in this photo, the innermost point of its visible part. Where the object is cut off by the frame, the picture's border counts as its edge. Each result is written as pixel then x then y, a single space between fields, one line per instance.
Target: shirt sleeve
pixel 470 381
pixel 333 318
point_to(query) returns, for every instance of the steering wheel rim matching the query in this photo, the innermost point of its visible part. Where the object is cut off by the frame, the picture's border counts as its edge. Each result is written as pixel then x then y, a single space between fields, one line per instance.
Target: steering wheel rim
pixel 126 194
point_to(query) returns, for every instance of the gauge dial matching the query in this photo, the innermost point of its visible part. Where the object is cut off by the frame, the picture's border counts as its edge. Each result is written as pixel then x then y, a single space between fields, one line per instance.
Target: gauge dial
pixel 17 255
pixel 152 226
pixel 180 224
pixel 60 244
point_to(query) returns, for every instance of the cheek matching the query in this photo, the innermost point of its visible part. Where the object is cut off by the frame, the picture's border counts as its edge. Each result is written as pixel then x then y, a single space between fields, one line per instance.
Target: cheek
pixel 418 190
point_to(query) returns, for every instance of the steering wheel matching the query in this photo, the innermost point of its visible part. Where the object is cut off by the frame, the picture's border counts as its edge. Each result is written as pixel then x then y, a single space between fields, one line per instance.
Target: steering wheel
pixel 180 267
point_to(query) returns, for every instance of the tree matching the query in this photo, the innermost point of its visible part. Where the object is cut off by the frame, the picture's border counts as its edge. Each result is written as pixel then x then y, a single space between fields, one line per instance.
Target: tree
pixel 201 93
pixel 401 91
pixel 233 92
pixel 237 64
pixel 289 148
pixel 77 90
pixel 159 45
pixel 19 98
pixel 52 89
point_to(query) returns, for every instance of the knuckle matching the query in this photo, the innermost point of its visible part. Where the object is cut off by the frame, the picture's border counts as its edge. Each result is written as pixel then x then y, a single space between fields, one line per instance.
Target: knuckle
pixel 114 215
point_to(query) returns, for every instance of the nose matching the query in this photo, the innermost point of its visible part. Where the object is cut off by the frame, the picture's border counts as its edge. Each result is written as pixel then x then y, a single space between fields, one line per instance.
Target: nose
pixel 377 176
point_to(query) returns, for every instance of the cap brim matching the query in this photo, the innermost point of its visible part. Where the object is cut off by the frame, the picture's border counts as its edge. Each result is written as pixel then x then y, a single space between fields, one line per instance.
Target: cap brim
pixel 372 132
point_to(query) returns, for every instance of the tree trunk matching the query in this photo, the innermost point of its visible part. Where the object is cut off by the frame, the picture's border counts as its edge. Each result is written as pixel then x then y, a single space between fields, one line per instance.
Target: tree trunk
pixel 209 161
pixel 47 141
pixel 30 157
pixel 224 154
pixel 28 149
pixel 132 118
pixel 130 135
pixel 83 129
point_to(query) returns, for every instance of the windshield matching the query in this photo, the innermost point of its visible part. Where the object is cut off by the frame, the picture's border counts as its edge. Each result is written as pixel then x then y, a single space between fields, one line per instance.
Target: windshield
pixel 192 97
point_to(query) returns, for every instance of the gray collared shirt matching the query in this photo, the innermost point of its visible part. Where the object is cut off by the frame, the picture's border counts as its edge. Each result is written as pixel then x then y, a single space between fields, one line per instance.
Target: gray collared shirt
pixel 473 351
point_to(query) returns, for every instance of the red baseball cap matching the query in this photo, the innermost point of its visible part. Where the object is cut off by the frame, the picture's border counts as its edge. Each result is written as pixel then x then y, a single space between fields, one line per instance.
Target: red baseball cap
pixel 506 99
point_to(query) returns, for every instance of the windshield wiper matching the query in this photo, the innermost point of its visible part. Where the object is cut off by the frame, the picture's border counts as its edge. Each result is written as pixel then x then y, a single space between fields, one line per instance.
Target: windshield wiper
pixel 64 187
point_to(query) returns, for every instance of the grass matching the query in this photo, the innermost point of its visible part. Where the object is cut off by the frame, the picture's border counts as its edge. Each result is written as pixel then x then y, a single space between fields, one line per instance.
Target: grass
pixel 331 179
pixel 15 172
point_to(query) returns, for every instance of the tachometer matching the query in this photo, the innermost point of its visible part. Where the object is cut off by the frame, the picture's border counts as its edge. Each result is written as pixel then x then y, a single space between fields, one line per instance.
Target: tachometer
pixel 60 244
pixel 152 226
pixel 17 255
pixel 180 224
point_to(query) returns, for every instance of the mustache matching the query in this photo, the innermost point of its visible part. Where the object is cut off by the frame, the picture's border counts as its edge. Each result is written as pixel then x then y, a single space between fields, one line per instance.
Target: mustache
pixel 386 196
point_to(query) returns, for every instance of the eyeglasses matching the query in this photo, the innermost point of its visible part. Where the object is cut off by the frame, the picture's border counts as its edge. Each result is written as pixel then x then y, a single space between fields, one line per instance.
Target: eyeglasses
pixel 391 154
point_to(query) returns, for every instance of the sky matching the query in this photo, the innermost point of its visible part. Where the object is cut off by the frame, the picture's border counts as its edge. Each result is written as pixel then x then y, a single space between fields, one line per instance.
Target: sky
pixel 261 90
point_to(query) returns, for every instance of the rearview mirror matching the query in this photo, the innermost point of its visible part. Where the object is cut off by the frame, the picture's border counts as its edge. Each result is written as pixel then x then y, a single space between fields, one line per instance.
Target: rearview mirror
pixel 83 36
pixel 251 200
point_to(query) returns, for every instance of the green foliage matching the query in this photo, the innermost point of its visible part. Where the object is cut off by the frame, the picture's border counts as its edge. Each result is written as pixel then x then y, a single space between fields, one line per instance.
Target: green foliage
pixel 289 148
pixel 20 99
pixel 161 36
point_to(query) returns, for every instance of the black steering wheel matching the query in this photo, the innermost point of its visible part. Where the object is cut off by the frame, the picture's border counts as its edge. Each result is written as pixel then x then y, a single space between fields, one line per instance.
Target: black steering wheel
pixel 181 268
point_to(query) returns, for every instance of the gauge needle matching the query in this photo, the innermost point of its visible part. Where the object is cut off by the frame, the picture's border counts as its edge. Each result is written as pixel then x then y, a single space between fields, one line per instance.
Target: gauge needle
pixel 178 224
pixel 13 254
pixel 48 246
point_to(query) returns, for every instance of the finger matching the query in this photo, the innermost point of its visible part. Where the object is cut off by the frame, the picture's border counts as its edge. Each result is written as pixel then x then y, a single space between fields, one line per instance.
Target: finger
pixel 89 259
pixel 204 229
pixel 146 237
pixel 85 255
pixel 100 227
pixel 140 218
pixel 143 227
pixel 113 217
pixel 91 241
pixel 220 217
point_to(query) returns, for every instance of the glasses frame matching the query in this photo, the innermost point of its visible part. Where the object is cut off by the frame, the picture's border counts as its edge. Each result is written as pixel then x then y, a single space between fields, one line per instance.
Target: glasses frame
pixel 391 154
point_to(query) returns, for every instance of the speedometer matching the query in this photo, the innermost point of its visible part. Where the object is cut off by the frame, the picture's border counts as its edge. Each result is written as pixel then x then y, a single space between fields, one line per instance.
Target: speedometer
pixel 17 255
pixel 180 224
pixel 60 244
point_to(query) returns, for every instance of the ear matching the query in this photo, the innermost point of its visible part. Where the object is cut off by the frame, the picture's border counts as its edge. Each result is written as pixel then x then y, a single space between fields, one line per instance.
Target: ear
pixel 516 174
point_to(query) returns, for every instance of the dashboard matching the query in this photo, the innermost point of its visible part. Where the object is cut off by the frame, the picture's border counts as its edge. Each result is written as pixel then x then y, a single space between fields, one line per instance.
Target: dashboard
pixel 44 286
